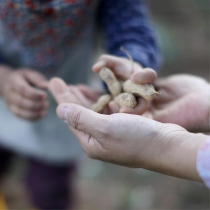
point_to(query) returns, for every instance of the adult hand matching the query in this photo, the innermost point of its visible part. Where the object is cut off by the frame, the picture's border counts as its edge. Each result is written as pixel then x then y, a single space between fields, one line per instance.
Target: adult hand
pixel 77 94
pixel 21 93
pixel 122 68
pixel 134 141
pixel 130 140
pixel 183 100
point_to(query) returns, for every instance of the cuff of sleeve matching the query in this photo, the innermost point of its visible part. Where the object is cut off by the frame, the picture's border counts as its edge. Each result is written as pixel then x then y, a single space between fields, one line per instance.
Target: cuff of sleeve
pixel 139 55
pixel 203 162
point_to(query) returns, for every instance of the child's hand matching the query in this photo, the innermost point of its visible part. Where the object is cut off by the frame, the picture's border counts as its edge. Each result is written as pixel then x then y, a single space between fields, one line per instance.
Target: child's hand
pixel 22 96
pixel 122 68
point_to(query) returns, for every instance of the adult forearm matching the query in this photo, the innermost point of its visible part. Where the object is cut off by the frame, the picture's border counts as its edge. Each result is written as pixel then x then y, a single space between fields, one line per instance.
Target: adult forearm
pixel 178 155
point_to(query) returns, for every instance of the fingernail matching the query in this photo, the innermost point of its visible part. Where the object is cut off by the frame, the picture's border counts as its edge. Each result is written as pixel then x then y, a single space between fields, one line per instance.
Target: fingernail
pixel 62 112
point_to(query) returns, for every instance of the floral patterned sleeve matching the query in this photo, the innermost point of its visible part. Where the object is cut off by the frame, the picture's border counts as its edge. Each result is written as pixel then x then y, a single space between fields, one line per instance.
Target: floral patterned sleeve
pixel 203 162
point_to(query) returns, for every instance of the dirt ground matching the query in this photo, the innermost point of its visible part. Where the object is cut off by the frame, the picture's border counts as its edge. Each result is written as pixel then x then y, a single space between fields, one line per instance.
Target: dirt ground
pixel 183 31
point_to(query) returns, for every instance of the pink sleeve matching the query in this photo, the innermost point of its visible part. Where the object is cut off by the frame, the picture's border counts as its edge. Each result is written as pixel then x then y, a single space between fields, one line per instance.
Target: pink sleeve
pixel 203 162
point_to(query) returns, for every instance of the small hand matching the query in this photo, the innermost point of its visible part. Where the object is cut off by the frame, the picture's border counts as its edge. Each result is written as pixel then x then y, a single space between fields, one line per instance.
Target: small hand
pixel 183 100
pixel 122 68
pixel 22 96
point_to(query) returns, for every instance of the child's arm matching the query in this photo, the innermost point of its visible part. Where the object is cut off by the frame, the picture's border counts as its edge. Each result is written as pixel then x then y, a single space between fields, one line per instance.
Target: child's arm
pixel 126 23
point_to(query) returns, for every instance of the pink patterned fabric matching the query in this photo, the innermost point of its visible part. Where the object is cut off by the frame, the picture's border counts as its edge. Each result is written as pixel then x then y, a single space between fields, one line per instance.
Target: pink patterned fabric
pixel 203 162
pixel 46 29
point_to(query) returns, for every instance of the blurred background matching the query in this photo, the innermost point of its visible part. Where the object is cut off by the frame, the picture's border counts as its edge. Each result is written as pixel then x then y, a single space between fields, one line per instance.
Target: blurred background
pixel 183 31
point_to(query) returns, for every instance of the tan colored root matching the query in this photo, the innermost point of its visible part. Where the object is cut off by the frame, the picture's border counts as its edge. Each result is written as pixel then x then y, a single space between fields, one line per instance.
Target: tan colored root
pixel 146 91
pixel 101 104
pixel 126 100
pixel 109 78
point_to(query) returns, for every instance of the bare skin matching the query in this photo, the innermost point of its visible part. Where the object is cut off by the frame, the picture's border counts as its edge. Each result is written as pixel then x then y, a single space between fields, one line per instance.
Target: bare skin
pixel 130 140
pixel 23 91
pixel 184 100
pixel 123 70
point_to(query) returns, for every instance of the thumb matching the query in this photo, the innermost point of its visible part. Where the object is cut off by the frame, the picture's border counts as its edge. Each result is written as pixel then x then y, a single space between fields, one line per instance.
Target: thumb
pixel 60 91
pixel 82 119
pixel 143 76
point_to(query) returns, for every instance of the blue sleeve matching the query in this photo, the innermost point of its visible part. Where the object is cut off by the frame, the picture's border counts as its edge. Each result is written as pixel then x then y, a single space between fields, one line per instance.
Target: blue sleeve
pixel 2 60
pixel 125 23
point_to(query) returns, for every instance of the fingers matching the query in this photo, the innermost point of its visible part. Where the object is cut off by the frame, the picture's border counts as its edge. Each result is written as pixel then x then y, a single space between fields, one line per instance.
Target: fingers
pixel 166 91
pixel 80 96
pixel 82 119
pixel 26 108
pixel 27 114
pixel 25 103
pixel 142 106
pixel 124 69
pixel 114 107
pixel 144 76
pixel 61 92
pixel 88 92
pixel 35 79
pixel 121 67
pixel 21 86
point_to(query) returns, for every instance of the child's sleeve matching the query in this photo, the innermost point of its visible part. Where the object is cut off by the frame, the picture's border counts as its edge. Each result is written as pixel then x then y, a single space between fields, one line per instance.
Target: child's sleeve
pixel 125 23
pixel 203 162
pixel 2 60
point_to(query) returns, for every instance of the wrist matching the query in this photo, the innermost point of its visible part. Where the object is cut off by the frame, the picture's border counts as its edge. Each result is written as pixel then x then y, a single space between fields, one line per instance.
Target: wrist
pixel 5 72
pixel 180 158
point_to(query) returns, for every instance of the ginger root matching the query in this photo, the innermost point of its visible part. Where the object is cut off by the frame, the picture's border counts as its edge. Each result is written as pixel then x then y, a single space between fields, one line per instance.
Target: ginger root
pixel 146 91
pixel 130 90
pixel 109 78
pixel 101 104
pixel 126 100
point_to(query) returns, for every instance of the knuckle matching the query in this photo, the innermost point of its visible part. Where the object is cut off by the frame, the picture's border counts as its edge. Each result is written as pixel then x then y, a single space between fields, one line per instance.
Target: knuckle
pixel 74 119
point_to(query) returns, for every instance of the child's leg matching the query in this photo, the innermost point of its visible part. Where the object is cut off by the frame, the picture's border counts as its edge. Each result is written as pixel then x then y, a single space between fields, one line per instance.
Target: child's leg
pixel 49 185
pixel 5 159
